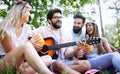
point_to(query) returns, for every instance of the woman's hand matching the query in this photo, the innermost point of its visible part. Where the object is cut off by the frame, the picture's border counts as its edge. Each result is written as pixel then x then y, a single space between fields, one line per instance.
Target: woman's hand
pixel 23 67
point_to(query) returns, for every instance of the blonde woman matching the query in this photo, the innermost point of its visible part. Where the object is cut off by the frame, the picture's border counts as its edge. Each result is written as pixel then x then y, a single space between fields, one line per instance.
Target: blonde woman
pixel 15 47
pixel 14 34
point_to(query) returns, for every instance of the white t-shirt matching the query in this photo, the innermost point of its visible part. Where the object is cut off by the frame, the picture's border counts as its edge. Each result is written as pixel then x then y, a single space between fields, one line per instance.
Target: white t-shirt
pixel 16 40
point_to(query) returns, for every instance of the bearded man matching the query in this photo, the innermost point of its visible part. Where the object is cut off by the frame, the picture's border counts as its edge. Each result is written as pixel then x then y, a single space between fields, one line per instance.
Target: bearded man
pixel 78 33
pixel 60 36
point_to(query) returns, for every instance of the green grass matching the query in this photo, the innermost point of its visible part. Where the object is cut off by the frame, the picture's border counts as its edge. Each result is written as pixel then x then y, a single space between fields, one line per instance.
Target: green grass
pixel 16 72
pixel 9 72
pixel 8 68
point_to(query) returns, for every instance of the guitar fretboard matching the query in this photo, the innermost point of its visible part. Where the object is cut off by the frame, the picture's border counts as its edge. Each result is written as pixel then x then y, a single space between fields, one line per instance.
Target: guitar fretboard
pixel 90 41
pixel 62 45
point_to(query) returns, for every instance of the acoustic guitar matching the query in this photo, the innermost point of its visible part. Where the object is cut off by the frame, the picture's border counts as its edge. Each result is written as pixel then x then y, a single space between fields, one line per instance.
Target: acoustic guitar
pixel 50 45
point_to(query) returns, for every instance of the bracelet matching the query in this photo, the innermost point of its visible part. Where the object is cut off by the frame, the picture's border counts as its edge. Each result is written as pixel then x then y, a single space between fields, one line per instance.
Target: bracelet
pixel 44 52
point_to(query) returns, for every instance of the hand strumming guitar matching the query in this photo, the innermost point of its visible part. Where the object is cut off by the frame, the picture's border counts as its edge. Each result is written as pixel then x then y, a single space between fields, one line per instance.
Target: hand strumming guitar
pixel 37 42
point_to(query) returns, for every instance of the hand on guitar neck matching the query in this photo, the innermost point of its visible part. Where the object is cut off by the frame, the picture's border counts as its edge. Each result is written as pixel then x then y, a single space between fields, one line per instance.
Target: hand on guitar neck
pixel 50 45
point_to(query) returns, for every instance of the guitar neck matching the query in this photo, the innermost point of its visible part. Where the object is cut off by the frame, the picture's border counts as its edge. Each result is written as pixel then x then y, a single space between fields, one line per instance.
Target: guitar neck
pixel 57 47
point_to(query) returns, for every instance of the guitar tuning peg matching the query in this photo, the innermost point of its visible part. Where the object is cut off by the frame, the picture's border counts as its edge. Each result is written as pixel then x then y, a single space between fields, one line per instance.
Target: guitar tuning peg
pixel 90 38
pixel 90 43
pixel 83 41
pixel 97 38
pixel 87 36
pixel 96 41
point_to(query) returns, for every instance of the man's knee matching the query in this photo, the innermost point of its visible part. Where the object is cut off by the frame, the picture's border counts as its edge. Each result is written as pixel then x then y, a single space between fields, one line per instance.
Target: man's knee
pixel 57 64
pixel 83 64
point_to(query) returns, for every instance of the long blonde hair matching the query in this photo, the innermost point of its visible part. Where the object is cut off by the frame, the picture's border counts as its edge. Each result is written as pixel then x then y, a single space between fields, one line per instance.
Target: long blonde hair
pixel 13 17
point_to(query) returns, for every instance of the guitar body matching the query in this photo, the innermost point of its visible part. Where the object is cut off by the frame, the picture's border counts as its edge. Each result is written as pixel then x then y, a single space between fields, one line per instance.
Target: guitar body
pixel 50 42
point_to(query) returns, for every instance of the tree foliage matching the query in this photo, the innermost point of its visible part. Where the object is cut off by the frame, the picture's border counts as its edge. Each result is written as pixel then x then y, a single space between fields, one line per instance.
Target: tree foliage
pixel 114 35
pixel 41 8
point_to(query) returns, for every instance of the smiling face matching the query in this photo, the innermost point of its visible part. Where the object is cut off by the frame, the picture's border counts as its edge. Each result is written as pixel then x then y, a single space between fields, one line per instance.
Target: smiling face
pixel 56 20
pixel 89 28
pixel 79 21
pixel 77 26
pixel 92 29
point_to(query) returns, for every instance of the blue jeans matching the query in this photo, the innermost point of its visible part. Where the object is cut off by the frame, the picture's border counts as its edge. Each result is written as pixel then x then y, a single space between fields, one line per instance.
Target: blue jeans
pixel 103 62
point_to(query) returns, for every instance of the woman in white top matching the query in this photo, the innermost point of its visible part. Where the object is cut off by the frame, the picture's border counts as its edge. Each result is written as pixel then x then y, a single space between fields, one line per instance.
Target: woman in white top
pixel 16 33
pixel 15 46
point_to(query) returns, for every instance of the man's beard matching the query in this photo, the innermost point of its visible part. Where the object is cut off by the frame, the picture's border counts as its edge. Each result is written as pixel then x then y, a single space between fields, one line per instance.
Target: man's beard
pixel 57 26
pixel 76 29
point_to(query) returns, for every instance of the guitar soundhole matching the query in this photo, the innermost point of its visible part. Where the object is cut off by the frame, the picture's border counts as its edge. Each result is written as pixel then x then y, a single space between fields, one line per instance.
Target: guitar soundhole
pixel 45 48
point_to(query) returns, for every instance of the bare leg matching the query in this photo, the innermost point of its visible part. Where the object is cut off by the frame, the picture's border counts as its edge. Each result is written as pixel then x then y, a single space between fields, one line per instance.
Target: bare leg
pixel 81 66
pixel 62 68
pixel 29 70
pixel 47 60
pixel 27 51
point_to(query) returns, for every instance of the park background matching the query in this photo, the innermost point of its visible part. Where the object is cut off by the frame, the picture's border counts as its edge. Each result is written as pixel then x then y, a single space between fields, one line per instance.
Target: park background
pixel 105 13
